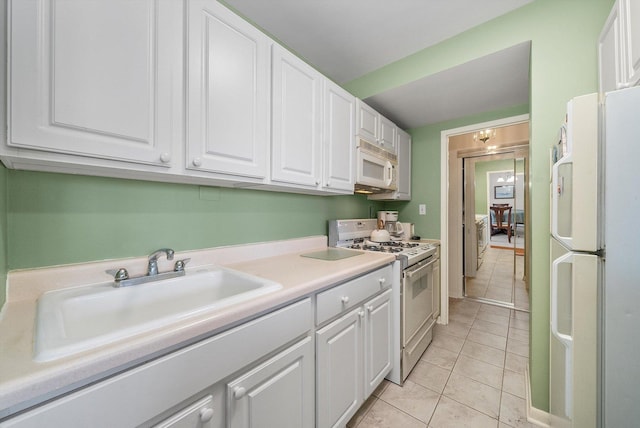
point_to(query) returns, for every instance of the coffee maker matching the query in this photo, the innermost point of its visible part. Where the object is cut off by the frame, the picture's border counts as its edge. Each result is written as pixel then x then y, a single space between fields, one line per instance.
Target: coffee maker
pixel 391 224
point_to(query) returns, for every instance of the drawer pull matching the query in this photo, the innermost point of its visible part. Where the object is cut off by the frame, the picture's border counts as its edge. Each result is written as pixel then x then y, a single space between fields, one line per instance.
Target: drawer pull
pixel 345 300
pixel 361 314
pixel 239 392
pixel 382 281
pixel 206 414
pixel 370 308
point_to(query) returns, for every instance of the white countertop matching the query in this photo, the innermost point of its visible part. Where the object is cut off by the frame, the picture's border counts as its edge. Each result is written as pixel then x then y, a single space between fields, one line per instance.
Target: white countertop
pixel 23 382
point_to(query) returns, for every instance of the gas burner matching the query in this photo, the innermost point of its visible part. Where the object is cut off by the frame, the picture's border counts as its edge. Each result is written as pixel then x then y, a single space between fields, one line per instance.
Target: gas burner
pixel 394 249
pixel 368 247
pixel 355 246
pixel 410 244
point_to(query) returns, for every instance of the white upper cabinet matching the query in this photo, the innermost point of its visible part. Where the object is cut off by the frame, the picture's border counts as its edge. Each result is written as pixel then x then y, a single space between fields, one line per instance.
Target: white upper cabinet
pixel 630 14
pixel 368 122
pixel 619 47
pixel 387 138
pixel 86 81
pixel 228 92
pixel 339 139
pixel 610 53
pixel 296 116
pixel 375 128
pixel 404 166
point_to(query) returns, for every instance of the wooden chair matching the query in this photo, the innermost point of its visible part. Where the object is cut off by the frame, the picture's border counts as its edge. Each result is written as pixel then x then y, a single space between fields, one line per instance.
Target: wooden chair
pixel 498 224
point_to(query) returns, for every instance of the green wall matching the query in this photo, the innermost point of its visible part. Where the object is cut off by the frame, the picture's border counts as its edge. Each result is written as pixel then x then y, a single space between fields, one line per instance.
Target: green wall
pixel 58 218
pixel 564 64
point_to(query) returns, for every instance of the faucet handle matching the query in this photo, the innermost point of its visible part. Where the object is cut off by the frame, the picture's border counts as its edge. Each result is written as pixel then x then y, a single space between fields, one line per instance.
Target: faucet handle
pixel 121 275
pixel 180 264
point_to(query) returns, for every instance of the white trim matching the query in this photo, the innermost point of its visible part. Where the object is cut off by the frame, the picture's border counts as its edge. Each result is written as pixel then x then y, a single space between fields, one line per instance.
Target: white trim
pixel 534 415
pixel 444 200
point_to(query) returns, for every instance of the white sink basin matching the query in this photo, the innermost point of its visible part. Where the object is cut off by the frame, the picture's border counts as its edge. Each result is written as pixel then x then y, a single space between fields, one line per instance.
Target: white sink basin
pixel 82 318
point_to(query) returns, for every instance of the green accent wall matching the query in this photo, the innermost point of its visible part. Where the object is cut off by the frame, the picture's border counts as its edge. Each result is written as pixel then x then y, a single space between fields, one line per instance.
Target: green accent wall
pixel 59 219
pixel 564 64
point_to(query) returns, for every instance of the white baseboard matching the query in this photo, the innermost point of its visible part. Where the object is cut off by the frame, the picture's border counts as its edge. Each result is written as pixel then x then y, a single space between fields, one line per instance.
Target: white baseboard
pixel 534 415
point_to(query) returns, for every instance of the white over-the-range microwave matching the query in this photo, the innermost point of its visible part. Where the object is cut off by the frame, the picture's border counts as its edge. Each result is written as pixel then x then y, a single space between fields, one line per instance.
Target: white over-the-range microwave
pixel 376 169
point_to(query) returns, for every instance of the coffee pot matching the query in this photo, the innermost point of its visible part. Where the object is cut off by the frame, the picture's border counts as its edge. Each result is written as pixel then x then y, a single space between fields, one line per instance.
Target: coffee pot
pixel 391 223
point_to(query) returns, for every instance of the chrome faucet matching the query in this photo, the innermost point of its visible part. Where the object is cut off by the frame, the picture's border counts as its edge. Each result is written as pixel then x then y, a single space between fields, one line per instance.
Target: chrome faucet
pixel 152 268
pixel 122 279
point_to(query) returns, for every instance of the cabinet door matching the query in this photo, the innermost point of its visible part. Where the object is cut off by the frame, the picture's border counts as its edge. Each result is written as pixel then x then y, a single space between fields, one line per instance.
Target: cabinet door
pixel 85 81
pixel 367 122
pixel 610 53
pixel 377 341
pixel 278 393
pixel 296 110
pixel 631 30
pixel 387 135
pixel 404 166
pixel 339 370
pixel 228 92
pixel 339 139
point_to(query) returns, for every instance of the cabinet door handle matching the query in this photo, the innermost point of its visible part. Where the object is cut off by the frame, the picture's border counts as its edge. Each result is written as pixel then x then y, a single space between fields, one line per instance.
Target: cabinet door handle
pixel 345 300
pixel 165 157
pixel 197 162
pixel 361 314
pixel 382 281
pixel 206 414
pixel 239 392
pixel 370 308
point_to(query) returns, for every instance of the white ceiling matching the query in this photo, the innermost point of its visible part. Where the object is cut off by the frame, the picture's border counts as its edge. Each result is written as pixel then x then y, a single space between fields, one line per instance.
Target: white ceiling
pixel 346 39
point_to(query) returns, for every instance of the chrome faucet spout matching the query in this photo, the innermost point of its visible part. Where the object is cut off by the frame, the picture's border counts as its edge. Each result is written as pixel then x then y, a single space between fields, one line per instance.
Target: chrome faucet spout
pixel 152 269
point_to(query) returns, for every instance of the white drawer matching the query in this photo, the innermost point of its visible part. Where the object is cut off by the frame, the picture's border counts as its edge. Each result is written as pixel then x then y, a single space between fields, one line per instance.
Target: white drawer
pixel 342 297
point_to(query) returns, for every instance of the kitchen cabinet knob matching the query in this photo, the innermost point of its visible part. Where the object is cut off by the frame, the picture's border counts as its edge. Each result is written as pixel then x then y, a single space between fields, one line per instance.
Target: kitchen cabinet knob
pixel 370 308
pixel 328 184
pixel 197 162
pixel 206 414
pixel 361 314
pixel 165 157
pixel 345 300
pixel 239 392
pixel 382 281
pixel 317 182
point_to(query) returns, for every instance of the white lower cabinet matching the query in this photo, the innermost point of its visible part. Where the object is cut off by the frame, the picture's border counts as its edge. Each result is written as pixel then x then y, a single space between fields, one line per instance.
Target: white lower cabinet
pixel 278 393
pixel 353 352
pixel 187 388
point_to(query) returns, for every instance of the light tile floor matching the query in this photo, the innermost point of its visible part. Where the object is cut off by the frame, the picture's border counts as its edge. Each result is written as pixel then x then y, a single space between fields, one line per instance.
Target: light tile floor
pixel 496 277
pixel 472 375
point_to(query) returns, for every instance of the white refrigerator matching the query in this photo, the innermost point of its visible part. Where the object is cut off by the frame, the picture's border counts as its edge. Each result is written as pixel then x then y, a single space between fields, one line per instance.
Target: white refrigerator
pixel 595 264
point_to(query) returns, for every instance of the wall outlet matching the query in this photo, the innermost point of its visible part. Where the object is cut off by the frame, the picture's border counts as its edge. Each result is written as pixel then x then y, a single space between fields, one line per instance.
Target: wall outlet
pixel 422 208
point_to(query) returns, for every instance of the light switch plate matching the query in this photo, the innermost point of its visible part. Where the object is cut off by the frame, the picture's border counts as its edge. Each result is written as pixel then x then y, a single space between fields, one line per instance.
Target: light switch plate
pixel 423 209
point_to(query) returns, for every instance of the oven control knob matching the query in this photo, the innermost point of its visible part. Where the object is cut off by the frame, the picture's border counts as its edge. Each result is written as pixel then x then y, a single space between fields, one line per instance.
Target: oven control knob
pixel 345 300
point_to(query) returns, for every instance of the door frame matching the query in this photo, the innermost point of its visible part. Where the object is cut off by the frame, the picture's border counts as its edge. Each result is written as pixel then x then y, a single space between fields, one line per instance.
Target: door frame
pixel 451 235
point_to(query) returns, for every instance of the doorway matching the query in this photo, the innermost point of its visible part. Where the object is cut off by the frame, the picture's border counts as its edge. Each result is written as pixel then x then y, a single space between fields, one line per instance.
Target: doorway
pixel 513 131
pixel 494 238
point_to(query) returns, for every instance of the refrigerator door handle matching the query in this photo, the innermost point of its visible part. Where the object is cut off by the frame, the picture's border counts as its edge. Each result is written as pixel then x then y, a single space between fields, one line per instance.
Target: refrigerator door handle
pixel 557 190
pixel 564 338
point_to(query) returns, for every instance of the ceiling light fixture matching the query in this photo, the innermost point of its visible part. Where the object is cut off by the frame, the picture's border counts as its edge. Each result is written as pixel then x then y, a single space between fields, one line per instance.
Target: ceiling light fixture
pixel 484 135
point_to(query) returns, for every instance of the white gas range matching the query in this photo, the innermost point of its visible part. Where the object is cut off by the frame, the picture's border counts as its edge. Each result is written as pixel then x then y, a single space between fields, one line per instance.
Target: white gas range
pixel 417 267
pixel 355 233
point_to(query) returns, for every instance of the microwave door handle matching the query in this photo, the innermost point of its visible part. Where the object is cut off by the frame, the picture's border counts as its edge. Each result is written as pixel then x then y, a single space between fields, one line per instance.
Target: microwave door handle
pixel 389 174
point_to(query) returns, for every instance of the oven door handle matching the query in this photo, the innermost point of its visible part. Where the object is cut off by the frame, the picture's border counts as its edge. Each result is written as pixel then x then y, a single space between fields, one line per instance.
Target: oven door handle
pixel 411 272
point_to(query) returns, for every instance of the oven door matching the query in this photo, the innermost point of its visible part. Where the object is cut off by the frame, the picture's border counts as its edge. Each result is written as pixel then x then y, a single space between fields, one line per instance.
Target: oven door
pixel 417 312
